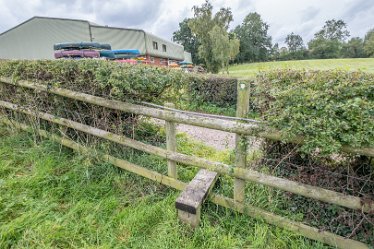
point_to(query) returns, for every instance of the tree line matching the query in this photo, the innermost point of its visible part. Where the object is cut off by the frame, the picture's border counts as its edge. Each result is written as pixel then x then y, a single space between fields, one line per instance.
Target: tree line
pixel 211 43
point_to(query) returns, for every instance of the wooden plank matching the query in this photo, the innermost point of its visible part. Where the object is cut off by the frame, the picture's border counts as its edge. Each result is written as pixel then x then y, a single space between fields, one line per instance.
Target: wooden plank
pixel 317 193
pixel 297 227
pixel 171 143
pixel 241 143
pixel 253 129
pixel 191 199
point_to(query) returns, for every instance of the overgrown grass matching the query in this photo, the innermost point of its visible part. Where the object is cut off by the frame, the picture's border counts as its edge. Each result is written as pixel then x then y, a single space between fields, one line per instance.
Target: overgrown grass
pixel 53 198
pixel 250 70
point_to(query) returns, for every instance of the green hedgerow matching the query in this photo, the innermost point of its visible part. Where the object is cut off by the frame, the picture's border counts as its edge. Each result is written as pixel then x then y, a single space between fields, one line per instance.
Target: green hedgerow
pixel 103 78
pixel 328 108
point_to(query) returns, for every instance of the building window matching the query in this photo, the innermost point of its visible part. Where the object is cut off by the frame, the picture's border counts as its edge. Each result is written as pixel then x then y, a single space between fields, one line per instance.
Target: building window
pixel 152 59
pixel 155 45
pixel 163 48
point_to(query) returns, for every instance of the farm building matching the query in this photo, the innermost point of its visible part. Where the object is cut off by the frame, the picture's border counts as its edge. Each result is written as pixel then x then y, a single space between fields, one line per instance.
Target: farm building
pixel 34 39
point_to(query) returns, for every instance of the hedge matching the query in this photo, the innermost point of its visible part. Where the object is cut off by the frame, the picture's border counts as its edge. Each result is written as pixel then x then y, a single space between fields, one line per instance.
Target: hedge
pixel 328 108
pixel 216 90
pixel 110 79
pixel 101 78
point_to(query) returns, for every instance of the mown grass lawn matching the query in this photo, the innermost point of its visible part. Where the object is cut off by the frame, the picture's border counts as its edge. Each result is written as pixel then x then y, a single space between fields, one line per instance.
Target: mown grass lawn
pixel 53 198
pixel 251 69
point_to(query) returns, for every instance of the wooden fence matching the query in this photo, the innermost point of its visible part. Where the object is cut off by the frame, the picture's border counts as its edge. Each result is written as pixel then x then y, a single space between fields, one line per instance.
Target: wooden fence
pixel 238 171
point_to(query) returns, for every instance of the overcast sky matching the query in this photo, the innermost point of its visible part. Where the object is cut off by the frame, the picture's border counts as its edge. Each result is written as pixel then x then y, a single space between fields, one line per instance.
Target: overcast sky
pixel 303 17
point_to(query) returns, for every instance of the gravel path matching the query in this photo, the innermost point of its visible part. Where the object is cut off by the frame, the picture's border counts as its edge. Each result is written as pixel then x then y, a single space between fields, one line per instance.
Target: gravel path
pixel 219 140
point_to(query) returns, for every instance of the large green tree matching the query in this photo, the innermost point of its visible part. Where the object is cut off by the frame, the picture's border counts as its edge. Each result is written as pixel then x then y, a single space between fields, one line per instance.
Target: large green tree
pixel 333 30
pixel 328 42
pixel 294 42
pixel 354 48
pixel 216 47
pixel 224 48
pixel 185 37
pixel 369 43
pixel 296 49
pixel 255 43
pixel 320 48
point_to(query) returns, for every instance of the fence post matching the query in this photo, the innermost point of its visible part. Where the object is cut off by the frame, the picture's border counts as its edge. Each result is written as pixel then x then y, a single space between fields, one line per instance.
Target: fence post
pixel 171 143
pixel 241 142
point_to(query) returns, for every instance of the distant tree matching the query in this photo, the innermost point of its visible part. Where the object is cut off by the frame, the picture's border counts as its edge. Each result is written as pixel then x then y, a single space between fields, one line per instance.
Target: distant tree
pixel 328 42
pixel 296 49
pixel 275 53
pixel 321 48
pixel 369 43
pixel 187 39
pixel 223 48
pixel 294 42
pixel 215 46
pixel 234 46
pixel 255 43
pixel 354 48
pixel 283 54
pixel 333 30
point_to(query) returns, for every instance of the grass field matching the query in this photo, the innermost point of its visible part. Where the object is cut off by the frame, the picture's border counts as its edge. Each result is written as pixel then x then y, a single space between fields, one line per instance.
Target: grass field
pixel 250 70
pixel 53 198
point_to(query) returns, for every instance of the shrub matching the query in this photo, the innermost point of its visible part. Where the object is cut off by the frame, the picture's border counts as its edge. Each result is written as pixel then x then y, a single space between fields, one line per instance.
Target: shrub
pixel 328 108
pixel 109 79
pixel 214 90
pixel 100 78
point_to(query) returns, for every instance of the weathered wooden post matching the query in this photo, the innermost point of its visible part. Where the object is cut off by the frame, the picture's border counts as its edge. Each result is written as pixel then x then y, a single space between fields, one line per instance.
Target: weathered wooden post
pixel 171 143
pixel 242 109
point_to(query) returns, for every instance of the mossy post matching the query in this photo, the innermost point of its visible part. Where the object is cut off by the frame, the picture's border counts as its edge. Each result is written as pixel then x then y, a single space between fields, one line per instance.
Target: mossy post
pixel 171 143
pixel 242 109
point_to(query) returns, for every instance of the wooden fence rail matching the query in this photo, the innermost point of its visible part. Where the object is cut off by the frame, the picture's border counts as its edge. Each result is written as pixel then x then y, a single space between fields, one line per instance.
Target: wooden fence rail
pixel 241 174
pixel 317 193
pixel 254 129
pixel 297 227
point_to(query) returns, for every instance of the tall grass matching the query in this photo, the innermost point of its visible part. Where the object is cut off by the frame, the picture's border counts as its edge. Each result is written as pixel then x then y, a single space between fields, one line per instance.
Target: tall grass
pixel 53 198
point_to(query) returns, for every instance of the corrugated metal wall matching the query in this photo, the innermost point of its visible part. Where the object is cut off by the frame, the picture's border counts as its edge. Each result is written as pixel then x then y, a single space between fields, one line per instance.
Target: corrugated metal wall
pixel 187 57
pixel 173 50
pixel 119 38
pixel 35 38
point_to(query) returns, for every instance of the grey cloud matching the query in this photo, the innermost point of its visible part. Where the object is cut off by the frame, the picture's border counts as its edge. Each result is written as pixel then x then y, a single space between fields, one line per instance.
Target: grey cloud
pixel 357 9
pixel 126 15
pixel 309 13
pixel 162 17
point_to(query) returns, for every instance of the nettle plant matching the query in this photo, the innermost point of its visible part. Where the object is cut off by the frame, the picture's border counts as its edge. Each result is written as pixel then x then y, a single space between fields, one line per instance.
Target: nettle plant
pixel 328 108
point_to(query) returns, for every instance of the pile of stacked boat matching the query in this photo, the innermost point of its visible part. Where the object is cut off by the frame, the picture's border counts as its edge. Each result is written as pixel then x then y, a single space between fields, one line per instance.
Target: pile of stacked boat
pixel 80 50
pixel 130 56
